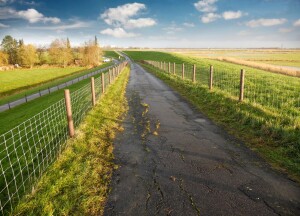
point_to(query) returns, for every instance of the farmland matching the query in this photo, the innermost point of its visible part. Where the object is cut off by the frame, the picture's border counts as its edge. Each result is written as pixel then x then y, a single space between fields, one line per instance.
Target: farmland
pixel 14 80
pixel 268 119
pixel 281 57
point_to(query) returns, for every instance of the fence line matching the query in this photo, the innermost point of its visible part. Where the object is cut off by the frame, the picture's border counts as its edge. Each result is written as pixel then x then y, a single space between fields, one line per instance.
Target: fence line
pixel 49 90
pixel 276 92
pixel 29 148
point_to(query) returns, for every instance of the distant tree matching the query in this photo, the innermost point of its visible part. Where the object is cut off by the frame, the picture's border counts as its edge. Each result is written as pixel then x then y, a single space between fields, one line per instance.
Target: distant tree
pixel 3 58
pixel 9 45
pixel 27 55
pixel 96 41
pixel 91 54
pixel 42 55
pixel 60 52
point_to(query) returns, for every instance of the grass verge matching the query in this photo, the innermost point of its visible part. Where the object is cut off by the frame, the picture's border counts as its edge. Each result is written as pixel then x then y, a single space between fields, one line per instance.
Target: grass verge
pixel 260 130
pixel 78 182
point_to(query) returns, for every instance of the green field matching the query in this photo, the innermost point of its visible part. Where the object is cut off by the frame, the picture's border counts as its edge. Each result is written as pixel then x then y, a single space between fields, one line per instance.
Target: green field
pixel 269 118
pixel 111 54
pixel 14 80
pixel 18 93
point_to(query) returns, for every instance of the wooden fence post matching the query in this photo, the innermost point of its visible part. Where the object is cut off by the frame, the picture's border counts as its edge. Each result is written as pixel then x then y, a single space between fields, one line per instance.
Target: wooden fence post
pixel 169 67
pixel 194 73
pixel 211 77
pixel 93 91
pixel 182 70
pixel 69 113
pixel 161 65
pixel 103 83
pixel 242 85
pixel 109 76
pixel 174 68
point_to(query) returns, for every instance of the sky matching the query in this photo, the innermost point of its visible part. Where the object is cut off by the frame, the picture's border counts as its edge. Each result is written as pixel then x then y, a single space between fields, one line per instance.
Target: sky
pixel 155 23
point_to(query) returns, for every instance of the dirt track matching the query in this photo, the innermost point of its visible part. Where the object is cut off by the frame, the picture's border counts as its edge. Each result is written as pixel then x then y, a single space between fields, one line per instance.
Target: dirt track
pixel 174 161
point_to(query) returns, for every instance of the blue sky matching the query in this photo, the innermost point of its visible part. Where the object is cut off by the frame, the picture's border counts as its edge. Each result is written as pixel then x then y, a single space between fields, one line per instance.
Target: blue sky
pixel 155 23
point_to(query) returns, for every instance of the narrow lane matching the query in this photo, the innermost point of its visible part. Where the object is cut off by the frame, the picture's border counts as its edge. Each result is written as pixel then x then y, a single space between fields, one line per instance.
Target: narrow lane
pixel 174 161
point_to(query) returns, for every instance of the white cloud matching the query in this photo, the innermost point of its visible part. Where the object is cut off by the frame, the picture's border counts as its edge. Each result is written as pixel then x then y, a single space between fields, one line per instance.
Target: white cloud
pixel 286 30
pixel 3 25
pixel 265 22
pixel 75 25
pixel 31 15
pixel 118 33
pixel 210 17
pixel 228 15
pixel 190 25
pixel 173 29
pixel 139 23
pixel 121 16
pixel 34 16
pixel 297 22
pixel 206 6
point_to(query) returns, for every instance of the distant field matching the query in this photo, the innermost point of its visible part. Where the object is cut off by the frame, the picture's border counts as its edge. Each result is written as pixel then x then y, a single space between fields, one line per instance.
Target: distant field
pixel 111 54
pixel 279 57
pixel 269 117
pixel 21 78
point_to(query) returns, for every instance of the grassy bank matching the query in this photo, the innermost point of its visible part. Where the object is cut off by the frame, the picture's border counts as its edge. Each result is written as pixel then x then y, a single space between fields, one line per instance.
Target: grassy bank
pixel 14 89
pixel 78 182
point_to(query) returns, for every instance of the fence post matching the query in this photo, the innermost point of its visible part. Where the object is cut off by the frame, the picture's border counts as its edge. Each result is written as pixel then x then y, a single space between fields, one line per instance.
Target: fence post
pixel 211 77
pixel 103 83
pixel 242 85
pixel 109 77
pixel 161 65
pixel 194 73
pixel 69 113
pixel 182 70
pixel 169 67
pixel 174 68
pixel 93 91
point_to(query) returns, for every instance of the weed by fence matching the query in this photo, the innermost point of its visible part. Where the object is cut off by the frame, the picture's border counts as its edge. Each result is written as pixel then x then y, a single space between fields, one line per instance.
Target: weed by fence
pixel 277 93
pixel 28 149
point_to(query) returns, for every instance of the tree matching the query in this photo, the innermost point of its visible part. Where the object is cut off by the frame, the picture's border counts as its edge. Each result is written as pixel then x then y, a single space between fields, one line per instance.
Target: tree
pixel 27 55
pixel 60 52
pixel 42 55
pixel 10 46
pixel 96 41
pixel 3 58
pixel 91 54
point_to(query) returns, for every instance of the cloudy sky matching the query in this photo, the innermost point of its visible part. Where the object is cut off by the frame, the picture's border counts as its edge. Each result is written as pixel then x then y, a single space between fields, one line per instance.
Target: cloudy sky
pixel 155 23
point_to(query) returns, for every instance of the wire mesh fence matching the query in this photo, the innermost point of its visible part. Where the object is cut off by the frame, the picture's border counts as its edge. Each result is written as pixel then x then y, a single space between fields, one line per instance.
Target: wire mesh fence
pixel 275 92
pixel 27 150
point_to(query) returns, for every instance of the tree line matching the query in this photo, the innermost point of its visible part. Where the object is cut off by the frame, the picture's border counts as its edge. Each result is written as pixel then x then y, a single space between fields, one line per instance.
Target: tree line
pixel 60 53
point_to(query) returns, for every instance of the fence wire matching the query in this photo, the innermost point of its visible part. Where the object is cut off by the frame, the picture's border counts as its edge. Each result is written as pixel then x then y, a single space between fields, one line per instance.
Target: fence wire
pixel 275 92
pixel 27 150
